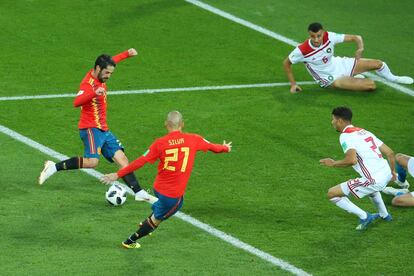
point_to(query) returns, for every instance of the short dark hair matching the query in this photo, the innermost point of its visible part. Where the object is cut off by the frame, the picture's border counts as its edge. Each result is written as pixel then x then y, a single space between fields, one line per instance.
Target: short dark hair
pixel 315 27
pixel 343 112
pixel 104 60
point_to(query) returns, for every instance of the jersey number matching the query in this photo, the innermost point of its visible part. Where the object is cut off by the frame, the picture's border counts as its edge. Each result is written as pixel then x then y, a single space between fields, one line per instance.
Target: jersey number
pixel 173 157
pixel 373 146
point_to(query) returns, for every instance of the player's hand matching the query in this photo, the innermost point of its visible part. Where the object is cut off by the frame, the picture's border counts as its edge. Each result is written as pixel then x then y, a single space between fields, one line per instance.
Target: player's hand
pixel 109 178
pixel 132 52
pixel 295 89
pixel 100 91
pixel 228 145
pixel 329 162
pixel 358 53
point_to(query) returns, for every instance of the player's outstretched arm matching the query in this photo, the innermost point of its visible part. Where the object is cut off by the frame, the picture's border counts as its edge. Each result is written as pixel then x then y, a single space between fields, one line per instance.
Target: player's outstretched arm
pixel 349 160
pixel 131 52
pixel 389 153
pixel 360 44
pixel 287 65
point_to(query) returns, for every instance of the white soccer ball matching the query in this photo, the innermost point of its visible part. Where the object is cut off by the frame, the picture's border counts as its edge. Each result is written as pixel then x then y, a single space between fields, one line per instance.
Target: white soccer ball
pixel 116 195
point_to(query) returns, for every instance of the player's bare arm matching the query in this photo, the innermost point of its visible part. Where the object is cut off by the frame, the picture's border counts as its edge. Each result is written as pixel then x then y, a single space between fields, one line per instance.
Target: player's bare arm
pixel 389 153
pixel 349 160
pixel 359 42
pixel 287 65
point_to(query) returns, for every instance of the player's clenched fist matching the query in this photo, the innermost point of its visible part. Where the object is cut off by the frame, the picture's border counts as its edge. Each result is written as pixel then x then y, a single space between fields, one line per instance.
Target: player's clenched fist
pixel 132 52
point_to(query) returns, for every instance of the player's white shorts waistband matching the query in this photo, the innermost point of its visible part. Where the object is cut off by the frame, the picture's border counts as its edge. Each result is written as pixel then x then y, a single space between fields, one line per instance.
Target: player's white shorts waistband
pixel 361 187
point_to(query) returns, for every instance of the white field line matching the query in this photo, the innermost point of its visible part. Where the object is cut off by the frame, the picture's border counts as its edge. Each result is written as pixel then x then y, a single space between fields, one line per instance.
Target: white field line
pixel 203 226
pixel 284 39
pixel 161 90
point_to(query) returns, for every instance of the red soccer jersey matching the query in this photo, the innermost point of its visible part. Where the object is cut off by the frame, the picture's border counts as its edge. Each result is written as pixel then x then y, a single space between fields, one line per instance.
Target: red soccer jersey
pixel 93 107
pixel 176 152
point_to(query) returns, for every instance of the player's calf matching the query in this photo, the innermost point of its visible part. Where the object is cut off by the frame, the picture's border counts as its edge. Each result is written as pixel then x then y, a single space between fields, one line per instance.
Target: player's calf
pixel 146 227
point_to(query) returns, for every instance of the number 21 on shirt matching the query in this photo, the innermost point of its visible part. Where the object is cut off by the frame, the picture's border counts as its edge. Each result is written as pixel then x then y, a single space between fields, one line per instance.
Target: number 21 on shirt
pixel 172 156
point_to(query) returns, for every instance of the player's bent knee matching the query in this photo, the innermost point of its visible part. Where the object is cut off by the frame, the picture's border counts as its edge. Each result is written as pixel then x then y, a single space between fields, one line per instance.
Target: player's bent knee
pixel 399 157
pixel 378 64
pixel 331 193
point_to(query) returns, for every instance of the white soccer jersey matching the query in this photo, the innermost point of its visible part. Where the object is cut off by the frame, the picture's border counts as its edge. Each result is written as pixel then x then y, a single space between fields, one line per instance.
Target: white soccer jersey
pixel 371 165
pixel 320 61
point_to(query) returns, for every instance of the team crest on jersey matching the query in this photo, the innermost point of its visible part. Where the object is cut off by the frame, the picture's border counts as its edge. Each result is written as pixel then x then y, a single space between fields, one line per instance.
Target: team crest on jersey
pixel 328 50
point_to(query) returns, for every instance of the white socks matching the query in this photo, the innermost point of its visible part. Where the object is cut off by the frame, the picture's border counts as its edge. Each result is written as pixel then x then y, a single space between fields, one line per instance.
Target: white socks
pixel 385 72
pixel 379 203
pixel 347 205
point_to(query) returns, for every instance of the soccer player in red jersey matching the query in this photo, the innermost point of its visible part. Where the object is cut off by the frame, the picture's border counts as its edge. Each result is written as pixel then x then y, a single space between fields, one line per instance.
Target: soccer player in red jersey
pixel 176 152
pixel 93 128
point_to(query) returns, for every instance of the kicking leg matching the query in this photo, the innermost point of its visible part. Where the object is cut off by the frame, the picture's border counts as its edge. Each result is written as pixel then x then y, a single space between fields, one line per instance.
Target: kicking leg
pixel 354 84
pixel 73 163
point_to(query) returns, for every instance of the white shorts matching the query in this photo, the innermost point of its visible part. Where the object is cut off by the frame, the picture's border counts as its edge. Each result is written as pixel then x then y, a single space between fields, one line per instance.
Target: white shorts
pixel 339 67
pixel 410 166
pixel 361 187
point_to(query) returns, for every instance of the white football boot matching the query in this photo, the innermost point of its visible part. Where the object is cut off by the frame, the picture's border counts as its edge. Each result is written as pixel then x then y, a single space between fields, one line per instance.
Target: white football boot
pixel 142 196
pixel 404 80
pixel 394 192
pixel 402 185
pixel 48 171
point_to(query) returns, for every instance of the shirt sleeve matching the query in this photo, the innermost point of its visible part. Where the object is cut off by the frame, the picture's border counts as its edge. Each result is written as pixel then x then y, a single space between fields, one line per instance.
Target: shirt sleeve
pixel 346 142
pixel 204 145
pixel 336 38
pixel 121 56
pixel 296 56
pixel 85 95
pixel 150 156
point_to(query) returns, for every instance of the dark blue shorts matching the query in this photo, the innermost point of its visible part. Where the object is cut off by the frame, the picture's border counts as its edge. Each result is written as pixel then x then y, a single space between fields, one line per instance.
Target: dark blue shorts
pixel 97 142
pixel 166 206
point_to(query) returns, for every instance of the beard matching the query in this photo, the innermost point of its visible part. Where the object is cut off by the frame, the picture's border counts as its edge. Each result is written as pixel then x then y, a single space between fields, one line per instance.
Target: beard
pixel 101 78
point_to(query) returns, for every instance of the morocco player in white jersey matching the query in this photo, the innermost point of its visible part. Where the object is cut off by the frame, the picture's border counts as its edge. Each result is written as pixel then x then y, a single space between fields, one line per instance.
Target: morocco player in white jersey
pixel 317 53
pixel 364 152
